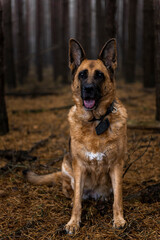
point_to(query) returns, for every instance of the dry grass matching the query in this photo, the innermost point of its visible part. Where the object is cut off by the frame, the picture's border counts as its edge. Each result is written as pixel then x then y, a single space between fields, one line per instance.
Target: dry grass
pixel 34 212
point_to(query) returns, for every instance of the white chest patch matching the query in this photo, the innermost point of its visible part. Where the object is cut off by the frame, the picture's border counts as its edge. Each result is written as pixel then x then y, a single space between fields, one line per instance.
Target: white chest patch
pixel 97 156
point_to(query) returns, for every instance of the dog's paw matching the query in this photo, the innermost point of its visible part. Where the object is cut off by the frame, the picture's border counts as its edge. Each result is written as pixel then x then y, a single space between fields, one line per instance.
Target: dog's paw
pixel 72 226
pixel 119 223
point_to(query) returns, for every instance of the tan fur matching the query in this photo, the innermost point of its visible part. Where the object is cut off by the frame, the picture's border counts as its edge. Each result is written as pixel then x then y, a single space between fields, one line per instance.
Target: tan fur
pixel 94 165
pixel 49 179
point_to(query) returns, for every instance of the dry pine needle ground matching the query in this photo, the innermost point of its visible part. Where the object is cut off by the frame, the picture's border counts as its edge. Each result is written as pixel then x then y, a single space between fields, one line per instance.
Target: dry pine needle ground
pixel 34 212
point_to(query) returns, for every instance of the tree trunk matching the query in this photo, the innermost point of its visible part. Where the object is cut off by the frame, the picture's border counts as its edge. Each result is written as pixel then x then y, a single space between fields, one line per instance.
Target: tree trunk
pixel 87 27
pixel 20 43
pixel 26 37
pixel 10 74
pixel 84 25
pixel 157 56
pixel 110 19
pixel 93 30
pixel 55 8
pixel 3 113
pixel 100 26
pixel 79 28
pixel 39 39
pixel 148 44
pixel 131 50
pixel 124 36
pixel 65 39
pixel 118 35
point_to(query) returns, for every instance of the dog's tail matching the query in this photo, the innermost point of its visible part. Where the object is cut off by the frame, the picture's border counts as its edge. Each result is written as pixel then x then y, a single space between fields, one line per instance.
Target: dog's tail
pixel 48 179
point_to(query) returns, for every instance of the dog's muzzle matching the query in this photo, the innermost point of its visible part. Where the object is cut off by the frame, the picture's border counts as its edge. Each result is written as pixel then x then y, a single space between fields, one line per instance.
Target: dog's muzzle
pixel 90 95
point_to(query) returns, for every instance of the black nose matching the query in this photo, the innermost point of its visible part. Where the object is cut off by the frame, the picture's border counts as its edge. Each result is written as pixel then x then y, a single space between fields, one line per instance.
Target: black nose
pixel 88 91
pixel 88 88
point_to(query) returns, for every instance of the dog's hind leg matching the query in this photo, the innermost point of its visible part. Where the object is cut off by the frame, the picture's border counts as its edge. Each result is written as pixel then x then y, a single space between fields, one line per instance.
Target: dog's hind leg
pixel 67 177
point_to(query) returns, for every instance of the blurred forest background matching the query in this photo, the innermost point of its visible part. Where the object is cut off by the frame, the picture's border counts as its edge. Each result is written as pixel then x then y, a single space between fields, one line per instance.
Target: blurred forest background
pixel 35 97
pixel 37 32
pixel 36 35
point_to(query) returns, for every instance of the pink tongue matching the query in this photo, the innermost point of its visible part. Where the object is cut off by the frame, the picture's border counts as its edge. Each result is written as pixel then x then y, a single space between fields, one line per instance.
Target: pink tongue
pixel 89 103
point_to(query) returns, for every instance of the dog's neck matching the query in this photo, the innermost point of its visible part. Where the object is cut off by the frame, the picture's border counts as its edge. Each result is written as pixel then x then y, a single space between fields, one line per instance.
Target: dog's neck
pixel 109 110
pixel 104 123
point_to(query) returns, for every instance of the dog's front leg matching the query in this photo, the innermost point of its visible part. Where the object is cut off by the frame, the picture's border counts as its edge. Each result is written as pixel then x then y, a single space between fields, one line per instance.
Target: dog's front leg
pixel 73 225
pixel 116 178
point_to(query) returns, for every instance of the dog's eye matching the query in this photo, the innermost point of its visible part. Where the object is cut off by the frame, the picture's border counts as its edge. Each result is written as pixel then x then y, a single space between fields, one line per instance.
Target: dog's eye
pixel 99 75
pixel 83 74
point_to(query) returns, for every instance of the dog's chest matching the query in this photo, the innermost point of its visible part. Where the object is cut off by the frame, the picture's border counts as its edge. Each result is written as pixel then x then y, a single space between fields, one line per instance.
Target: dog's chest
pixel 94 156
pixel 93 149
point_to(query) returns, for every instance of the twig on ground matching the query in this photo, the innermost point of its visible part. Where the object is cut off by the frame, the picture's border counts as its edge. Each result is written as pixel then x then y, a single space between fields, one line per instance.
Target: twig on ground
pixel 20 156
pixel 17 156
pixel 150 194
pixel 41 143
pixel 143 127
pixel 130 164
pixel 134 149
pixel 53 161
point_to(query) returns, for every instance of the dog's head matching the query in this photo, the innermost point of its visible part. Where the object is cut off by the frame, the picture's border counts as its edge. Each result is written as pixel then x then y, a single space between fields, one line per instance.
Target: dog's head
pixel 93 80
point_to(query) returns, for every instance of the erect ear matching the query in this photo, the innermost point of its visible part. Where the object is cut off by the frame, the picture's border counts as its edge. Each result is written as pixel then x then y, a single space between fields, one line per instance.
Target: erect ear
pixel 108 54
pixel 76 54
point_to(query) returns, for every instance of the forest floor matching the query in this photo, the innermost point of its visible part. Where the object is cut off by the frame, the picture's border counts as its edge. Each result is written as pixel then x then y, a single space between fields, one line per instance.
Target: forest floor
pixel 40 212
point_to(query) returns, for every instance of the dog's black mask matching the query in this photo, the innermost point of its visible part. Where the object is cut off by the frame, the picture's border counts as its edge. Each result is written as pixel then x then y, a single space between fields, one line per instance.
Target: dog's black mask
pixel 91 88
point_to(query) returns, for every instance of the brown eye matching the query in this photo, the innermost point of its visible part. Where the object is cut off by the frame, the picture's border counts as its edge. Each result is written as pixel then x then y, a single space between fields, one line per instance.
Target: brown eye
pixel 98 75
pixel 83 74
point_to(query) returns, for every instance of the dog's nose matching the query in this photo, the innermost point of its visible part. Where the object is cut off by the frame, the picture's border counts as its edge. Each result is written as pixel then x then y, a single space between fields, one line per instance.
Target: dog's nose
pixel 88 88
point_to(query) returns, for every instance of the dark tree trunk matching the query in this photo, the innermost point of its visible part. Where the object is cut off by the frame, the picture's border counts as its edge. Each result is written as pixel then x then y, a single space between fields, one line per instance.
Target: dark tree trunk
pixel 9 66
pixel 119 24
pixel 39 39
pixel 20 43
pixel 3 113
pixel 93 30
pixel 124 35
pixel 157 56
pixel 87 26
pixel 79 28
pixel 26 38
pixel 110 18
pixel 84 25
pixel 55 7
pixel 100 26
pixel 65 40
pixel 148 44
pixel 131 50
pixel 139 37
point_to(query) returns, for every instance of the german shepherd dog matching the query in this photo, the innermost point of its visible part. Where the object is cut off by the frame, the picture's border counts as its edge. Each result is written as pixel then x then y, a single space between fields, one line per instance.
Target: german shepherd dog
pixel 94 165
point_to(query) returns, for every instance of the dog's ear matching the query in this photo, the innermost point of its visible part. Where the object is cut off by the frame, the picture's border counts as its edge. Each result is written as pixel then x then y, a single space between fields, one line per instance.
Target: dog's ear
pixel 76 55
pixel 108 54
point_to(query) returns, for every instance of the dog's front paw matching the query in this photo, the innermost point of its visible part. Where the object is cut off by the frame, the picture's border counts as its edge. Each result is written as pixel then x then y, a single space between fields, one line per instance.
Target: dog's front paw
pixel 72 226
pixel 119 223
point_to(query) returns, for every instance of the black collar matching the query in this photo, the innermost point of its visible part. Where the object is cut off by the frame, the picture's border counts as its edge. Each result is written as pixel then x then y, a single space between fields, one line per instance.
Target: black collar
pixel 104 123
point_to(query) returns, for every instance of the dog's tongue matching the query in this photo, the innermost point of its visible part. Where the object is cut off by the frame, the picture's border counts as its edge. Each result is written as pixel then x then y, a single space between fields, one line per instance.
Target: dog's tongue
pixel 89 103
